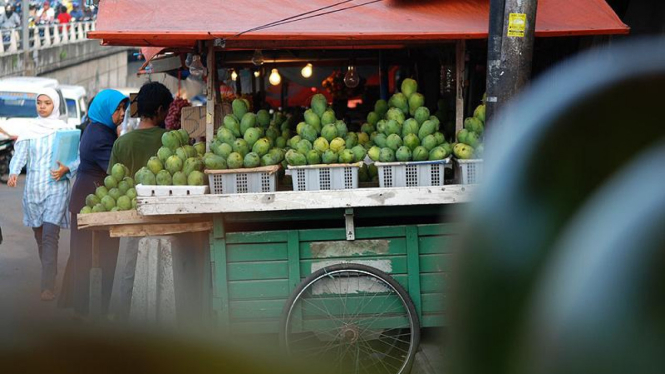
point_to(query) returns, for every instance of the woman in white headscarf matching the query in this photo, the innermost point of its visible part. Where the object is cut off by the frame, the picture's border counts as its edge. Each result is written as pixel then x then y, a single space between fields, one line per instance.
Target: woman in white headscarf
pixel 46 194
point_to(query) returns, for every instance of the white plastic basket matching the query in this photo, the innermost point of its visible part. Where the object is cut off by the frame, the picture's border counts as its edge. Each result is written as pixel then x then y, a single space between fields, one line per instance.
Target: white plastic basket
pixel 412 174
pixel 325 177
pixel 470 171
pixel 148 191
pixel 251 180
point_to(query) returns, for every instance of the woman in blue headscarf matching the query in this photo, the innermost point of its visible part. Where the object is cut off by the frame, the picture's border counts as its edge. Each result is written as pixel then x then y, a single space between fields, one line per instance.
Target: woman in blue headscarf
pixel 106 113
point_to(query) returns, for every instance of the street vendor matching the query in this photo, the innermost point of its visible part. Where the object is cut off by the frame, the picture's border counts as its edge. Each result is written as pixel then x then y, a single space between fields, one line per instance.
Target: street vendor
pixel 46 194
pixel 105 114
pixel 133 150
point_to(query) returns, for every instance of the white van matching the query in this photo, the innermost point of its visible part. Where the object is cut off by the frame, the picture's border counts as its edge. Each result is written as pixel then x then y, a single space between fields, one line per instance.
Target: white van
pixel 130 123
pixel 18 101
pixel 76 98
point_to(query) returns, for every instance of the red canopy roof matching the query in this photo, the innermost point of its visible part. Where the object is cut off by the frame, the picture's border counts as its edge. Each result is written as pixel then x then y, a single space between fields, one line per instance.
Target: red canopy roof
pixel 352 23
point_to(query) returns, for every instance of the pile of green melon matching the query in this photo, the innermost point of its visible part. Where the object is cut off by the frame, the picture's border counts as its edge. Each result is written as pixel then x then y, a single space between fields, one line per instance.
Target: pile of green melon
pixel 177 163
pixel 248 140
pixel 323 139
pixel 117 193
pixel 470 139
pixel 402 129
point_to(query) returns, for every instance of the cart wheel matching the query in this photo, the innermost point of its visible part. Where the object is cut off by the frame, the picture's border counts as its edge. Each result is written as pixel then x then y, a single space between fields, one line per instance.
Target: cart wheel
pixel 354 317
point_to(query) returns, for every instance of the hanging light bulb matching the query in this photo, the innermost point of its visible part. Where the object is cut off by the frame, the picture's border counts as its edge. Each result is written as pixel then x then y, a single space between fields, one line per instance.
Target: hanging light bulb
pixel 196 68
pixel 257 58
pixel 257 73
pixel 234 75
pixel 274 78
pixel 351 78
pixel 307 71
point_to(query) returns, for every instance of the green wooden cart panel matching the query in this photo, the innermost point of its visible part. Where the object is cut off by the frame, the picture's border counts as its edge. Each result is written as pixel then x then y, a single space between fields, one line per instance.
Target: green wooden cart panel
pixel 255 272
pixel 259 289
pixel 272 309
pixel 256 252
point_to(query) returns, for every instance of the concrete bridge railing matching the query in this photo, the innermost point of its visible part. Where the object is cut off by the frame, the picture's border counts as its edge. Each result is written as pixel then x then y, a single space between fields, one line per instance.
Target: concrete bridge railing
pixel 44 36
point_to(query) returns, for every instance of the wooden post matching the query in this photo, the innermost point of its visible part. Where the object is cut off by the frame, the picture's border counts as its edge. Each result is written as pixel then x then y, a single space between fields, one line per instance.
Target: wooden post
pixel 383 77
pixel 212 95
pixel 460 63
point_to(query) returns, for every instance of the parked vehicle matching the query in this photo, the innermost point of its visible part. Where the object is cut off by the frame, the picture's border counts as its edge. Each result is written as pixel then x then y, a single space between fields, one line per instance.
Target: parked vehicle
pixel 130 123
pixel 76 99
pixel 18 101
pixel 6 153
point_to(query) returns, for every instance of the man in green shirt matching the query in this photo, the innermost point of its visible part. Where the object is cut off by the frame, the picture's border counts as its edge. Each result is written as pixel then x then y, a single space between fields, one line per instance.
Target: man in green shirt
pixel 135 148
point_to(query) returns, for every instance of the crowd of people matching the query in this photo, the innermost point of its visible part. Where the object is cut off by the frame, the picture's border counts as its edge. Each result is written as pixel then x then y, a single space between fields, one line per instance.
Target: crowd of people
pixel 46 12
pixel 53 197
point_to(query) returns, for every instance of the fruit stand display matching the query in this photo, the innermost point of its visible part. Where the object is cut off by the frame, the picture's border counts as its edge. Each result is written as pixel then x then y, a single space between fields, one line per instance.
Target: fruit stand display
pixel 327 264
pixel 329 267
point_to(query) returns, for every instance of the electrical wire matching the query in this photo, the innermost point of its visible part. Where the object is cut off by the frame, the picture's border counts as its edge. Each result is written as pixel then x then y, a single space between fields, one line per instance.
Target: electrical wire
pixel 300 18
pixel 271 24
pixel 304 16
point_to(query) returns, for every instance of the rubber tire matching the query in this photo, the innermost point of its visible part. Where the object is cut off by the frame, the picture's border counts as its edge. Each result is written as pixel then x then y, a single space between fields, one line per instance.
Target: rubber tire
pixel 315 276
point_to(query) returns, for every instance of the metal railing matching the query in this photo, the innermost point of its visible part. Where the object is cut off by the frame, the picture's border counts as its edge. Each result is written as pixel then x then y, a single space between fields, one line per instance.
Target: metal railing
pixel 44 36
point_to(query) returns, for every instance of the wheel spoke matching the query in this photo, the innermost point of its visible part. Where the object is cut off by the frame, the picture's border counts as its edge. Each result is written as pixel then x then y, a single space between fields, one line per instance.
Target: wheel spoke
pixel 369 350
pixel 360 332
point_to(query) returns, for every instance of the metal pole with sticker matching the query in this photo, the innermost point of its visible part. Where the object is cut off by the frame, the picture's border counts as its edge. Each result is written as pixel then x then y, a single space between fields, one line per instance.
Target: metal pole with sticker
pixel 510 50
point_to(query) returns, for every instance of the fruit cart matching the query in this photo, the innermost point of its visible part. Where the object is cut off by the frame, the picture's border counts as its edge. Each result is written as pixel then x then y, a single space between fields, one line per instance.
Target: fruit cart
pixel 362 270
pixel 350 275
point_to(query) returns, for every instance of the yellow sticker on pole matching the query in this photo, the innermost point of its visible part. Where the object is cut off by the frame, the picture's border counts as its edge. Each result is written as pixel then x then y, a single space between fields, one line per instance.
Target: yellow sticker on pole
pixel 516 24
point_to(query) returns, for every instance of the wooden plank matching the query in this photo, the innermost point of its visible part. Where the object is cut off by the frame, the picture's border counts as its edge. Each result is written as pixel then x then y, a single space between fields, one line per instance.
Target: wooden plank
pixel 434 282
pixel 437 229
pixel 256 252
pixel 220 280
pixel 436 244
pixel 380 232
pixel 258 270
pixel 434 303
pixel 308 200
pixel 256 309
pixel 434 320
pixel 123 231
pixel 436 263
pixel 460 64
pixel 107 219
pixel 413 263
pixel 211 87
pixel 257 237
pixel 293 259
pixel 259 289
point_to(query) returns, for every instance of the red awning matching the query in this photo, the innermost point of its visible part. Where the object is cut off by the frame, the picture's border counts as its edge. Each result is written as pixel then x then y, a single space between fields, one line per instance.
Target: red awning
pixel 341 24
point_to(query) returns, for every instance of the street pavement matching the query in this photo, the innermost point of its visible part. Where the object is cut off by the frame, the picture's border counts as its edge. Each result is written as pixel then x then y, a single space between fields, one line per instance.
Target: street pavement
pixel 20 268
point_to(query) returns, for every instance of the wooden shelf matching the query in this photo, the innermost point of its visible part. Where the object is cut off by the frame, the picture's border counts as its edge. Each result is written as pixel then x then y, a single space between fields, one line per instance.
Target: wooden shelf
pixel 310 200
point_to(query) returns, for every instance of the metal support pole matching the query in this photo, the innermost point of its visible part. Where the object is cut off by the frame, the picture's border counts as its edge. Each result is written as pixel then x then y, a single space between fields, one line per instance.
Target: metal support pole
pixel 497 8
pixel 508 76
pixel 517 46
